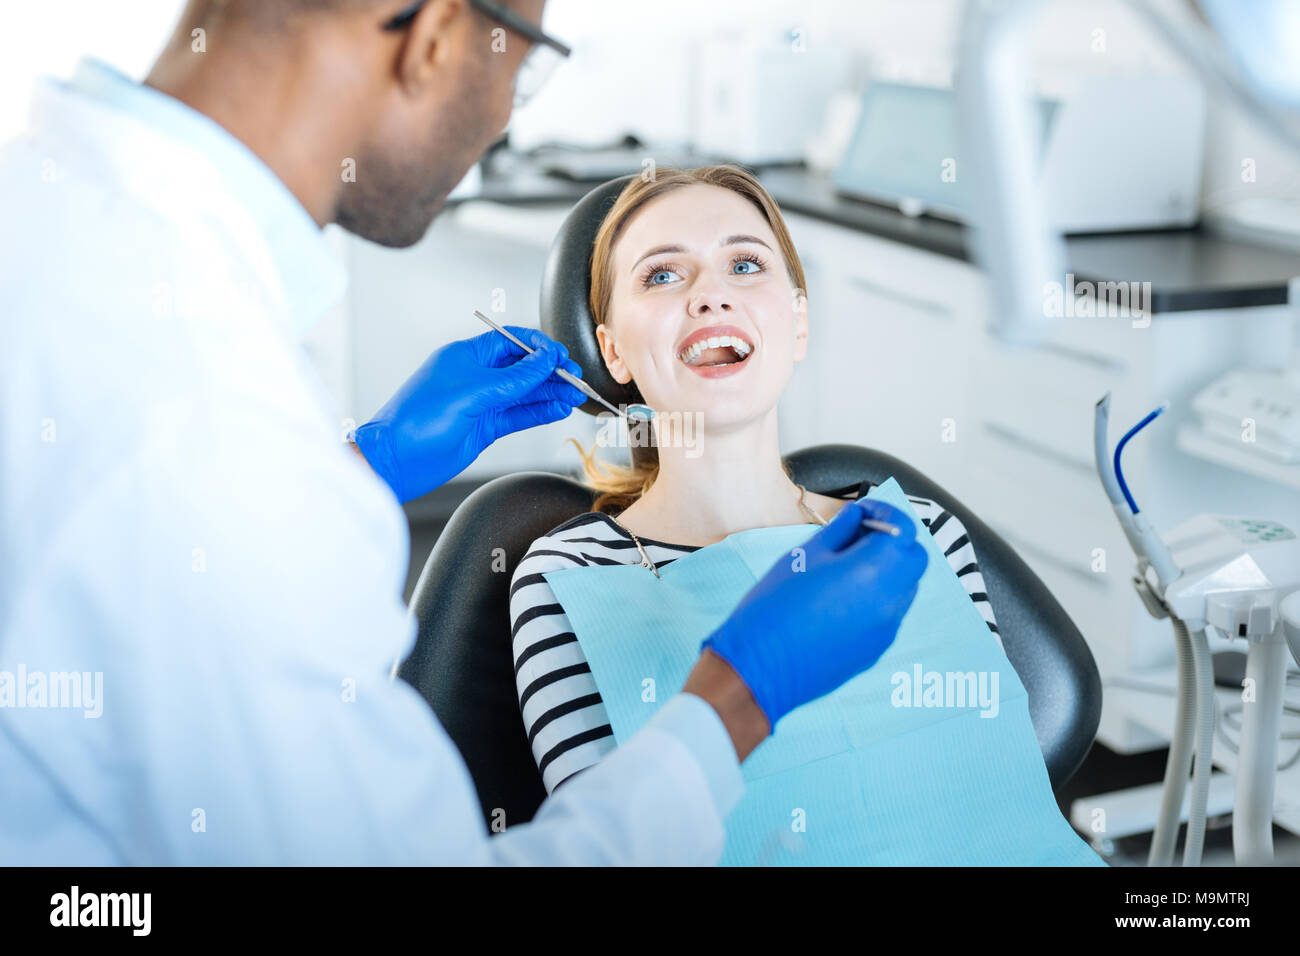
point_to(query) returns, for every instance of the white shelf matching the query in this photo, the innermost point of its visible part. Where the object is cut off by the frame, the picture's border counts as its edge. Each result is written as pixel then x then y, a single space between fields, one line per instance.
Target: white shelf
pixel 1194 442
pixel 1136 810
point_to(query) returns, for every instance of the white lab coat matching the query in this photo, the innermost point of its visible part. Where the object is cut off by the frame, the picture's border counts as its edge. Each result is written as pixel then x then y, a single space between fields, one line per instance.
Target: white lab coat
pixel 183 527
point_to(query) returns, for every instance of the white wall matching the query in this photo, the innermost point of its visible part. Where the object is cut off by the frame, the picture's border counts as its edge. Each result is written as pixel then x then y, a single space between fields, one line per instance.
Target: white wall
pixel 631 71
pixel 649 51
pixel 41 37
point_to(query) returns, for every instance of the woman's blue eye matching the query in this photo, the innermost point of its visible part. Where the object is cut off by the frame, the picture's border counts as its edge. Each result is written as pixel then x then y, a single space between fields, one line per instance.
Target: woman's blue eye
pixel 751 267
pixel 654 278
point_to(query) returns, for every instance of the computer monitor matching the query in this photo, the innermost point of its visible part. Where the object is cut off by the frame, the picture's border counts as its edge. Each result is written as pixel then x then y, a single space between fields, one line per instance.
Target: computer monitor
pixel 904 150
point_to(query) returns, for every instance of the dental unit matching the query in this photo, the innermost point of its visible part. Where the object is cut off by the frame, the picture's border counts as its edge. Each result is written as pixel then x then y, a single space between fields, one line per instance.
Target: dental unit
pixel 1240 576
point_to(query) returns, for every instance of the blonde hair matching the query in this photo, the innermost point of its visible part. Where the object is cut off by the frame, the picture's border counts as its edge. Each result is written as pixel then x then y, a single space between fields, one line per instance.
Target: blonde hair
pixel 621 485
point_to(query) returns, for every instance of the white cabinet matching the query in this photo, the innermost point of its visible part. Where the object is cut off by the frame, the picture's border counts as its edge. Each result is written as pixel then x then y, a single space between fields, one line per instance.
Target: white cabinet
pixel 889 336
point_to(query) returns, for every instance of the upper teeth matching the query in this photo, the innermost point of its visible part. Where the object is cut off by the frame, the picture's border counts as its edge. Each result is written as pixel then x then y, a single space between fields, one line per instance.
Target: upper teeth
pixel 742 347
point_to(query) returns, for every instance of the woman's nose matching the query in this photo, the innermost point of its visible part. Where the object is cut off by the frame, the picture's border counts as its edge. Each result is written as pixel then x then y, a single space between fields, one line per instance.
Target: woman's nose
pixel 708 302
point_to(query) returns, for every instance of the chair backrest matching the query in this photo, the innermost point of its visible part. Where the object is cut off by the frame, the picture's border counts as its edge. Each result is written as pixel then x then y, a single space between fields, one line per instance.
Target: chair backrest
pixel 462 662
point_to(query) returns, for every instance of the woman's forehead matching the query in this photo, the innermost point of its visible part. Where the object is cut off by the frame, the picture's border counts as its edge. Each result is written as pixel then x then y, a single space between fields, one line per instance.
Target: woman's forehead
pixel 697 217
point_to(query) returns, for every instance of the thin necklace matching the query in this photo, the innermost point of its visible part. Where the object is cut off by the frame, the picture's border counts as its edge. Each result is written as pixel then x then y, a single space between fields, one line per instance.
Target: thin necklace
pixel 645 558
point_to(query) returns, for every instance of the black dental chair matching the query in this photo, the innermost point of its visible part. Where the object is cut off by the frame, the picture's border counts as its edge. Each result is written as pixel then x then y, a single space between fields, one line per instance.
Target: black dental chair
pixel 462 662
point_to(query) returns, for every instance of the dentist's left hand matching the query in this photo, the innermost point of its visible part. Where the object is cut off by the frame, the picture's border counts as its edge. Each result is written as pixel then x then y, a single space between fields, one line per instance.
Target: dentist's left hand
pixel 462 399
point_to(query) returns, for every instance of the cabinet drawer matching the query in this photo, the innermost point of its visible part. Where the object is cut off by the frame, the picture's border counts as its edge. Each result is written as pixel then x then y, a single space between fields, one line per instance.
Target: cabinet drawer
pixel 1045 507
pixel 1055 429
pixel 1115 339
pixel 849 255
pixel 1011 374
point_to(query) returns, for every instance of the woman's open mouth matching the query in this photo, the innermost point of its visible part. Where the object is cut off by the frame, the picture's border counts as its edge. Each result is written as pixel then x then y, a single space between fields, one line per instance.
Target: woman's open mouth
pixel 716 352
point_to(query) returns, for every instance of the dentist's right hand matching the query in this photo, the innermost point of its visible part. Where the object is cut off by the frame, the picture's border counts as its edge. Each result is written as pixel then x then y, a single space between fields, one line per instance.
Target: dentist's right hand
pixel 463 398
pixel 799 634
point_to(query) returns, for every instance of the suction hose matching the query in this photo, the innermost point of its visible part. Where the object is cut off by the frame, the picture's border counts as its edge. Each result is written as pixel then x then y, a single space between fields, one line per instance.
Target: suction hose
pixel 1205 704
pixel 1261 720
pixel 1179 763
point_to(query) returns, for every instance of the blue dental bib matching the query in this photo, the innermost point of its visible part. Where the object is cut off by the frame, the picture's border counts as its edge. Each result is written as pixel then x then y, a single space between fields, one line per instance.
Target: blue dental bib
pixel 929 758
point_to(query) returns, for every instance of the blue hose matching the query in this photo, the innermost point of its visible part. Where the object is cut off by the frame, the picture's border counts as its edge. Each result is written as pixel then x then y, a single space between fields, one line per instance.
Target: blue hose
pixel 1119 474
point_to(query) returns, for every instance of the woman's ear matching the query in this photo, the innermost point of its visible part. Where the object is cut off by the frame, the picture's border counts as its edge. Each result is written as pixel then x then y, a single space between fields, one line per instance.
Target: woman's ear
pixel 609 351
pixel 800 328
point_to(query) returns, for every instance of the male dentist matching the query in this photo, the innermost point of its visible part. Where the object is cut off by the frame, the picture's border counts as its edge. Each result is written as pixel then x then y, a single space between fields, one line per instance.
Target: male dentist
pixel 200 595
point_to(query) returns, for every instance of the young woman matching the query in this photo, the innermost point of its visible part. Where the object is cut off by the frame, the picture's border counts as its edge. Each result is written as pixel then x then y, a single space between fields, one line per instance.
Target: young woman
pixel 698 294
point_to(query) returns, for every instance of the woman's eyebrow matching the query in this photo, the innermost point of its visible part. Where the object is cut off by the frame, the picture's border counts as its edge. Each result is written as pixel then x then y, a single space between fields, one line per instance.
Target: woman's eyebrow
pixel 733 240
pixel 657 250
pixel 729 241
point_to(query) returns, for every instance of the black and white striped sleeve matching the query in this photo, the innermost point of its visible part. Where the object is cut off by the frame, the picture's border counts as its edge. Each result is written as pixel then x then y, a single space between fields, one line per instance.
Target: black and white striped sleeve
pixel 564 717
pixel 951 537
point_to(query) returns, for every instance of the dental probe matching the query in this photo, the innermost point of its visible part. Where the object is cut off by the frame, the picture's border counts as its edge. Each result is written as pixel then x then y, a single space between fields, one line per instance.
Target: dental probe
pixel 643 412
pixel 884 526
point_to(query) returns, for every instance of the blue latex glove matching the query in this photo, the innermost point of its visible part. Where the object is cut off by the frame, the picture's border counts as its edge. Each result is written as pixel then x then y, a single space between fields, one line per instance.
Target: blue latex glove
pixel 799 634
pixel 462 399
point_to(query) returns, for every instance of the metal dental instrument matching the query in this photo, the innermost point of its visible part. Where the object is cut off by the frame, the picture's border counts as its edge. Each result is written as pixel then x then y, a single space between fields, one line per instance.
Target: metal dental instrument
pixel 884 526
pixel 643 413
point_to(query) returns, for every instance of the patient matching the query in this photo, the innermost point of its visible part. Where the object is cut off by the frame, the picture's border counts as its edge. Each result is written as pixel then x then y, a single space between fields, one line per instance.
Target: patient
pixel 695 252
pixel 698 296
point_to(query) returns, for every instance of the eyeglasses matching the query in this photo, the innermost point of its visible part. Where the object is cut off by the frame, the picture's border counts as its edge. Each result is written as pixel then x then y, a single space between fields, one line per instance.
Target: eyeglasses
pixel 543 56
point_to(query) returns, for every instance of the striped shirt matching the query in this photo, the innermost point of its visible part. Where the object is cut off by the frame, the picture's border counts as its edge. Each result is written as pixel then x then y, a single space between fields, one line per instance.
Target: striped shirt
pixel 566 721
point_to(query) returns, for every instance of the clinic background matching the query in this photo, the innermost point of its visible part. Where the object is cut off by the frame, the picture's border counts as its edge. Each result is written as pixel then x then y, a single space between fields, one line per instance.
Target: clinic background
pixel 1007 431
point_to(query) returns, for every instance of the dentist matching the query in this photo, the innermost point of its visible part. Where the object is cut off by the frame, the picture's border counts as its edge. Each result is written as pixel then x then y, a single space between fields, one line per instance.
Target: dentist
pixel 183 530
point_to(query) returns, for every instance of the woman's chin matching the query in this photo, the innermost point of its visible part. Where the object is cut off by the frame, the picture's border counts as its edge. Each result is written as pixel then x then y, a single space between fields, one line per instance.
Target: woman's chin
pixel 726 395
pixel 716 410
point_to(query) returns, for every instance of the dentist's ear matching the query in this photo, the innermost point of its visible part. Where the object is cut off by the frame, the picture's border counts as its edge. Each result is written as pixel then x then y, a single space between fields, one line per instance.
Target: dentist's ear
pixel 800 307
pixel 609 351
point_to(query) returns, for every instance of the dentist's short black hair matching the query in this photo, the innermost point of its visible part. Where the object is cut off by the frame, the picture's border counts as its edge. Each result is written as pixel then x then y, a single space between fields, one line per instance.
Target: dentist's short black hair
pixel 271 12
pixel 393 6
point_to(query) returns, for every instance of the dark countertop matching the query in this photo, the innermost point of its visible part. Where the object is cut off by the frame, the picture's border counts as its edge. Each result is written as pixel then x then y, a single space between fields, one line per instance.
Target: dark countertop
pixel 1189 269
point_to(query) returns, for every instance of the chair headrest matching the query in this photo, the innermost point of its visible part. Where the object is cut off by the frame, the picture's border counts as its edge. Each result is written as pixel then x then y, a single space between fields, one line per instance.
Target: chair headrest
pixel 566 291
